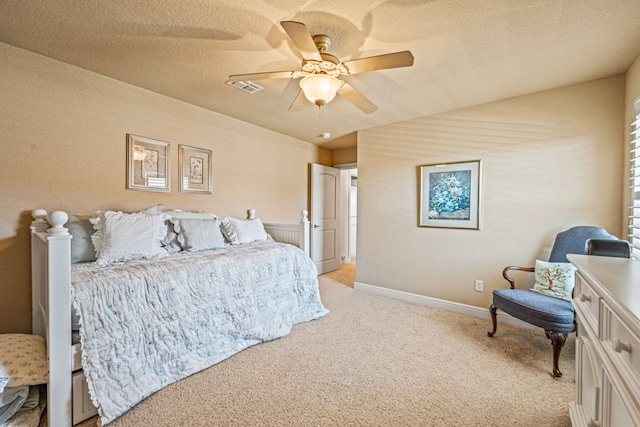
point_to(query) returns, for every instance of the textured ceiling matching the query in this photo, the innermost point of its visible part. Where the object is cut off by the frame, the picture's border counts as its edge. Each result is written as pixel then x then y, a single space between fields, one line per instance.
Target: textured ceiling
pixel 467 52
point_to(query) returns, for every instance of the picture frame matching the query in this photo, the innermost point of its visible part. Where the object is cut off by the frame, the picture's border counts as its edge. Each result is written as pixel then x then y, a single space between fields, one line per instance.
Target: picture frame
pixel 195 170
pixel 148 166
pixel 449 195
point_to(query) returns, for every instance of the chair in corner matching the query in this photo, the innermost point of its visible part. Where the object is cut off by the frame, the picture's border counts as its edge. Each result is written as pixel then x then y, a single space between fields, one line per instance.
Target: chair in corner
pixel 556 316
pixel 607 247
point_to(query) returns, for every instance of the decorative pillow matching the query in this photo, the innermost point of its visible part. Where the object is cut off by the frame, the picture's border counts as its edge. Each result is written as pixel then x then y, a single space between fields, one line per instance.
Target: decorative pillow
pixel 23 360
pixel 199 234
pixel 153 210
pixel 81 229
pixel 170 241
pixel 243 230
pixel 121 236
pixel 555 279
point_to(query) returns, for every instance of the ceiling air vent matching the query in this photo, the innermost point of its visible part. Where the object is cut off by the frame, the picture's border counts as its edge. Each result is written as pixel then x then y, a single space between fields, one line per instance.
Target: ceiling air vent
pixel 247 86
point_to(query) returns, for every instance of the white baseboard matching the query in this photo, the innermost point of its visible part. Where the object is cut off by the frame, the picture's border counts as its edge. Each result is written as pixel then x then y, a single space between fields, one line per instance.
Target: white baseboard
pixel 443 304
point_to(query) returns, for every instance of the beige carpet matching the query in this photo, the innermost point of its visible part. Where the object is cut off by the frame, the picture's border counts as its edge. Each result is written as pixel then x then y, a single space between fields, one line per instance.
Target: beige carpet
pixel 375 361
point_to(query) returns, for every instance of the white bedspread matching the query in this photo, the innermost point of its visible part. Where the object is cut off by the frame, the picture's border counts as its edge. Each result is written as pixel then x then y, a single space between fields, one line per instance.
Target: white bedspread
pixel 148 323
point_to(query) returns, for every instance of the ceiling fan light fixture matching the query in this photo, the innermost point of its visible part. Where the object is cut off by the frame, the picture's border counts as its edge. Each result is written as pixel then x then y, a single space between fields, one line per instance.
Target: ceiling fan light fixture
pixel 320 89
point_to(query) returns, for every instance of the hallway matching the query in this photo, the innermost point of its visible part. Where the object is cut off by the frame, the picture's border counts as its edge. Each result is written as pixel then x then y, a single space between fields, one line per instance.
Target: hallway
pixel 346 274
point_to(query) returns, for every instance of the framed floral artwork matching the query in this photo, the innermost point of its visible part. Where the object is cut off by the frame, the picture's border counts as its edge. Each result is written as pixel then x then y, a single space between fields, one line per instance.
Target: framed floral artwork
pixel 195 170
pixel 450 195
pixel 147 164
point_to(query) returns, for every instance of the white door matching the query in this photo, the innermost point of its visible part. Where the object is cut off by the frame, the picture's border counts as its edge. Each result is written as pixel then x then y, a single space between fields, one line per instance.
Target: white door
pixel 325 242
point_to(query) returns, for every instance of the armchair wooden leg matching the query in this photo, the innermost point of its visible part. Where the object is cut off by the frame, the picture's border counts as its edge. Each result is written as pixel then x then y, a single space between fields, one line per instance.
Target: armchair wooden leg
pixel 557 340
pixel 494 319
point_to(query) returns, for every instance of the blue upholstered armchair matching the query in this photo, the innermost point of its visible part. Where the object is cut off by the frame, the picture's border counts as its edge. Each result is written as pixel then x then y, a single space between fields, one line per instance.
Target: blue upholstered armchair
pixel 556 316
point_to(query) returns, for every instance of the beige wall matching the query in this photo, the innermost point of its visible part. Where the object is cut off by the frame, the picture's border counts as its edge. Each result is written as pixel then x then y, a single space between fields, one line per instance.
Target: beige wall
pixel 63 147
pixel 345 156
pixel 551 160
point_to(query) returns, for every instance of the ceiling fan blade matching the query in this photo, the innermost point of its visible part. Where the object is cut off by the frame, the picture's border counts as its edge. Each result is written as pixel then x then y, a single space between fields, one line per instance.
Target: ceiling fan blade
pixel 262 76
pixel 380 62
pixel 357 99
pixel 301 37
pixel 299 102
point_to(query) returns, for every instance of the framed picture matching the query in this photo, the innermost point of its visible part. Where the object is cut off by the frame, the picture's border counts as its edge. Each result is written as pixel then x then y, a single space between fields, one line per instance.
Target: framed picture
pixel 450 195
pixel 147 164
pixel 195 170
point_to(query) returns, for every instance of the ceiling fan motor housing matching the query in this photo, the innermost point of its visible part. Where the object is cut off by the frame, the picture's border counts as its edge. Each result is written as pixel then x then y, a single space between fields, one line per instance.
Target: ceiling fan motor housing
pixel 322 42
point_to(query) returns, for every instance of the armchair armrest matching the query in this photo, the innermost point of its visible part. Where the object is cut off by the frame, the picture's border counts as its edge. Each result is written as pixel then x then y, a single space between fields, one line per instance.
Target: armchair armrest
pixel 510 279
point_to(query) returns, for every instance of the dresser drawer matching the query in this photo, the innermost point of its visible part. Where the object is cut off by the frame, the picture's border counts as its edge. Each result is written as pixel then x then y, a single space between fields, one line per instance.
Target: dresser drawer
pixel 619 409
pixel 587 300
pixel 622 345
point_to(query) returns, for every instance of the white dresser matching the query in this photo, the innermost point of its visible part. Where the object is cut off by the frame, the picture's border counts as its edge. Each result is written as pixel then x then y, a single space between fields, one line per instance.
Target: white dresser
pixel 607 303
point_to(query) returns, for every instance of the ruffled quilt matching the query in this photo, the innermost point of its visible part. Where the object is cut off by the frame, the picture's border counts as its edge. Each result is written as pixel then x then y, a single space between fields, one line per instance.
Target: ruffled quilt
pixel 148 323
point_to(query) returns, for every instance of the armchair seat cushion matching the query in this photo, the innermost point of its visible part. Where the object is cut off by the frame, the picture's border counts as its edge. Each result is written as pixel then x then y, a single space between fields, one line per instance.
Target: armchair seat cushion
pixel 547 312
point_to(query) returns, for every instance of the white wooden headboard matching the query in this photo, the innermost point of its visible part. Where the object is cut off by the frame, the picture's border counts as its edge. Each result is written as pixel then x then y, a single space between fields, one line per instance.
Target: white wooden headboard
pixel 294 234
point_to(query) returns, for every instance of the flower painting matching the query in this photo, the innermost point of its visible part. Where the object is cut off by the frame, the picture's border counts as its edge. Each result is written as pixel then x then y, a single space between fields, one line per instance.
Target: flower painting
pixel 195 175
pixel 449 195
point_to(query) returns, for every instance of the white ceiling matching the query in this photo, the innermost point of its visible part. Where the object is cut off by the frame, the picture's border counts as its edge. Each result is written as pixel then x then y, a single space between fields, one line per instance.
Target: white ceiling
pixel 467 52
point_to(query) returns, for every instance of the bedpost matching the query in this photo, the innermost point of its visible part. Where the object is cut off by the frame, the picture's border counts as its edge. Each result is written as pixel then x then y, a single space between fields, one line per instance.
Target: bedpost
pixel 38 225
pixel 51 289
pixel 305 232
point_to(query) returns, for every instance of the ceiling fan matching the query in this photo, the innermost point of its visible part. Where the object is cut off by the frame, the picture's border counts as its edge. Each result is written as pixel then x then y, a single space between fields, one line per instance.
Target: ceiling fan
pixel 320 70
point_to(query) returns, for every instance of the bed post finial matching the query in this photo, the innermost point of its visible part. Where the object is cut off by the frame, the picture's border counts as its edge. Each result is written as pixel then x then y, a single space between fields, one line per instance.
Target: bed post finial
pixel 305 216
pixel 251 214
pixel 57 219
pixel 39 223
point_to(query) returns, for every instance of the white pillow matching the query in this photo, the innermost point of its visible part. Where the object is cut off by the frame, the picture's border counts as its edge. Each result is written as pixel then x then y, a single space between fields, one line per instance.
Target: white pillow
pixel 80 227
pixel 239 231
pixel 199 234
pixel 23 360
pixel 555 279
pixel 170 241
pixel 153 210
pixel 122 236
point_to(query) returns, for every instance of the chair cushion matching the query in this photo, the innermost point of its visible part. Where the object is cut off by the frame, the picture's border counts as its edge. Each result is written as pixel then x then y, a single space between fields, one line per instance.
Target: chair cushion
pixel 549 313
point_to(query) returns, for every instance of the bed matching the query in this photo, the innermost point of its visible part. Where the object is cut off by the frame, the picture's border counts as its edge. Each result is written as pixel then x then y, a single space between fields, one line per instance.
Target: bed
pixel 147 321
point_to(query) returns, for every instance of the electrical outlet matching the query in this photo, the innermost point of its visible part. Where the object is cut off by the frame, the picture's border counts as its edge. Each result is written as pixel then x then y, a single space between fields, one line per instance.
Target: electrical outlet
pixel 479 285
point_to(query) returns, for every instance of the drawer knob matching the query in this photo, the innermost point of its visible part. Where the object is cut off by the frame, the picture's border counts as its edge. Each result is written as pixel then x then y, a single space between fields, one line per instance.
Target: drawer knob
pixel 584 297
pixel 620 346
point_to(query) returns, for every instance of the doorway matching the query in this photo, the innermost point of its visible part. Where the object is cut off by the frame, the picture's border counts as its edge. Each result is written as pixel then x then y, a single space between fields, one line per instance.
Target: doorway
pixel 349 176
pixel 353 213
pixel 333 216
pixel 348 218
